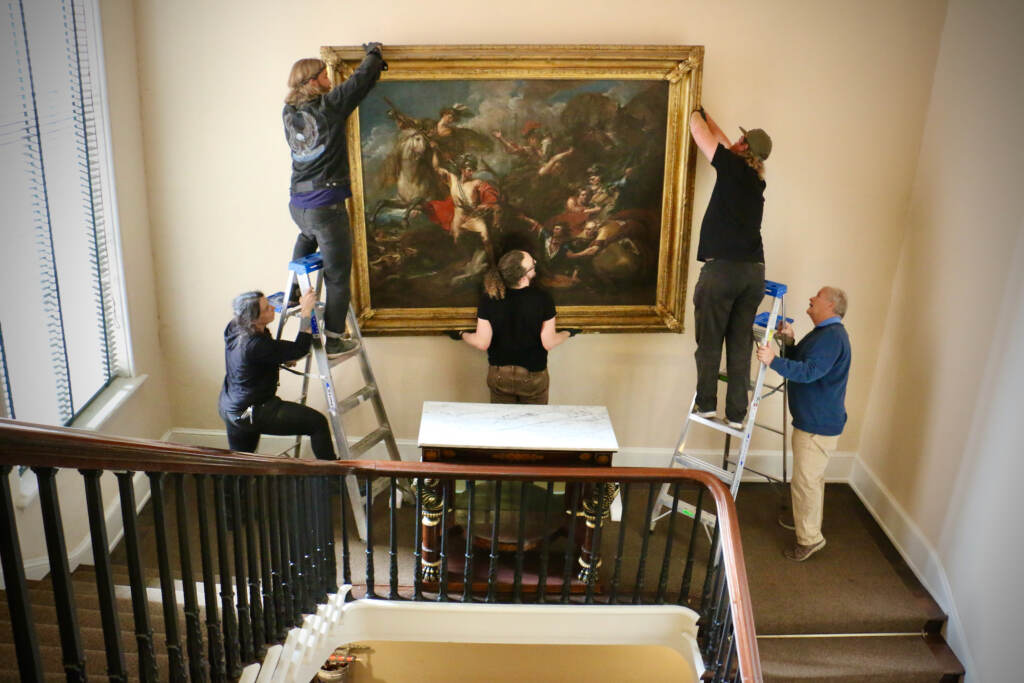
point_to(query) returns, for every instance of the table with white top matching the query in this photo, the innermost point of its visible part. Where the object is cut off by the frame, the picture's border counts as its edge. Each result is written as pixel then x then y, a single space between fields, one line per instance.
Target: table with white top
pixel 486 433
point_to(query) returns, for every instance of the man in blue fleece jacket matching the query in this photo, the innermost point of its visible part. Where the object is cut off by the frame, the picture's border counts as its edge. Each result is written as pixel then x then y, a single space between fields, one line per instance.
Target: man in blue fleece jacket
pixel 817 369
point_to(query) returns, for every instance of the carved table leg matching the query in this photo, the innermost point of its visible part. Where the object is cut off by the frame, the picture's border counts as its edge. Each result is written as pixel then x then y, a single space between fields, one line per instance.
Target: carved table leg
pixel 596 509
pixel 430 531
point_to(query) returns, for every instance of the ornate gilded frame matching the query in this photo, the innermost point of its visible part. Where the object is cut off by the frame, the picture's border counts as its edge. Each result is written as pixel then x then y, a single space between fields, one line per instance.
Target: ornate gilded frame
pixel 679 66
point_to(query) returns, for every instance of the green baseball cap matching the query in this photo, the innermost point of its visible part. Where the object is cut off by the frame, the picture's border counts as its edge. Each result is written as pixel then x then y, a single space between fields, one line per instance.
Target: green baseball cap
pixel 758 142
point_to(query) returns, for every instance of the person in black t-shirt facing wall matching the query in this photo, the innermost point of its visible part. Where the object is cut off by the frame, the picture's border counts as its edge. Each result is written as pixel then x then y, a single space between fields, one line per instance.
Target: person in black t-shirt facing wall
pixel 515 324
pixel 731 282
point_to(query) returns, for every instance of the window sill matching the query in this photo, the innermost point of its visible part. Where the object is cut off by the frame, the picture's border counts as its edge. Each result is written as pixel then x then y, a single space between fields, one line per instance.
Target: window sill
pixel 95 415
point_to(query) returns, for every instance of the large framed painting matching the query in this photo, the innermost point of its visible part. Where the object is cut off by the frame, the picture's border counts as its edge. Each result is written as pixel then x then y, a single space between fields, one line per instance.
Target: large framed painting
pixel 580 155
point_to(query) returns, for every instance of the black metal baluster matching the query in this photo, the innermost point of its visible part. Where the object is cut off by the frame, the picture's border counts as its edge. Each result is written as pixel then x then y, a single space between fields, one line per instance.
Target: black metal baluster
pixel 595 554
pixel 193 629
pixel 617 574
pixel 287 555
pixel 310 544
pixel 331 574
pixel 719 611
pixel 293 606
pixel 442 584
pixel 393 539
pixel 684 586
pixel 245 485
pixel 298 550
pixel 168 597
pixel 570 541
pixel 227 597
pixel 371 591
pixel 663 580
pixel 140 611
pixel 60 575
pixel 642 567
pixel 492 570
pixel 26 644
pixel 727 673
pixel 346 563
pixel 712 569
pixel 245 649
pixel 278 559
pixel 542 576
pixel 263 525
pixel 467 573
pixel 517 581
pixel 104 577
pixel 417 546
pixel 720 666
pixel 214 636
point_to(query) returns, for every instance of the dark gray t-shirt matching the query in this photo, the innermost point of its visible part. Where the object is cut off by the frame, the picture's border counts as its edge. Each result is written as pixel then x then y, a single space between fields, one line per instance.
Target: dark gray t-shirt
pixel 516 321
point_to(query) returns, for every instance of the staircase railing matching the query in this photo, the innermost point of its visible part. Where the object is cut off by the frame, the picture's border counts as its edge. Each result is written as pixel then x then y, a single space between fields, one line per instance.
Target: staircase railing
pixel 264 531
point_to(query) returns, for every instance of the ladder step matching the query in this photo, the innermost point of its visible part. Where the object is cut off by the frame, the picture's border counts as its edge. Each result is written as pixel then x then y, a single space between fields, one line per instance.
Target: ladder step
pixel 698 464
pixel 369 441
pixel 686 509
pixel 716 425
pixel 354 399
pixel 338 360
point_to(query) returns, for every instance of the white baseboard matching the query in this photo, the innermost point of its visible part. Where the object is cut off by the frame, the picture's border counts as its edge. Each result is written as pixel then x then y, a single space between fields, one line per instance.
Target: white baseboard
pixel 916 550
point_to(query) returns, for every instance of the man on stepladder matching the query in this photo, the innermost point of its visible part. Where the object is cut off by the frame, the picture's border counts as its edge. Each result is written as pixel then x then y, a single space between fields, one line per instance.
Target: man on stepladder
pixel 731 282
pixel 817 369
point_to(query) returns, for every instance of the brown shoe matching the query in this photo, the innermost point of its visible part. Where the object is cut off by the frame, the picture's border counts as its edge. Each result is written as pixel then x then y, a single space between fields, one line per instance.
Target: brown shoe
pixel 799 553
pixel 786 520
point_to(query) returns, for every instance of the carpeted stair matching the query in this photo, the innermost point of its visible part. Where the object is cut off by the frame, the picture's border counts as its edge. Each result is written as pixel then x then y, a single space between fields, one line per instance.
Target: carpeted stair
pixel 852 612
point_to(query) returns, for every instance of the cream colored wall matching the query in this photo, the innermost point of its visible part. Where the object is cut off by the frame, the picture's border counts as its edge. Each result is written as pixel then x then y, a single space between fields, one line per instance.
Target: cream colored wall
pixel 943 431
pixel 839 86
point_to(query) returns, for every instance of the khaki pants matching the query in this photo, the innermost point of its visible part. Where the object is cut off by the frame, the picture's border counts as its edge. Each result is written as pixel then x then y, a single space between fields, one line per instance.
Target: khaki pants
pixel 515 384
pixel 810 458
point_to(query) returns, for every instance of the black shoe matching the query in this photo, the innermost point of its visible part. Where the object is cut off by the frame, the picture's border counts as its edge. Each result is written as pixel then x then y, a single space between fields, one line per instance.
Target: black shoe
pixel 340 346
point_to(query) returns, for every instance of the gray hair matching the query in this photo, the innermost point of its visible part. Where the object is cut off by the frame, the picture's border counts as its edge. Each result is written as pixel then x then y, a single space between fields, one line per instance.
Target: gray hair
pixel 838 299
pixel 246 307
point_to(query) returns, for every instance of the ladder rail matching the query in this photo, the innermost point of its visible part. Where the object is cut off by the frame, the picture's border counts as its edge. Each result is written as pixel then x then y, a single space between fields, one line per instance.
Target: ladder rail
pixel 758 393
pixel 300 272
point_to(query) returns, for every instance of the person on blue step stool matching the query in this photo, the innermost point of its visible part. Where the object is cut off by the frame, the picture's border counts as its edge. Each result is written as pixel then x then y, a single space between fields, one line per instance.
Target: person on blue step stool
pixel 817 370
pixel 314 119
pixel 248 401
pixel 731 282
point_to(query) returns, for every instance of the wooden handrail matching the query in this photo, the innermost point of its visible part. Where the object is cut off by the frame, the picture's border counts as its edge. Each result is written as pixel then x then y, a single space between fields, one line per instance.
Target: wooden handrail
pixel 61 447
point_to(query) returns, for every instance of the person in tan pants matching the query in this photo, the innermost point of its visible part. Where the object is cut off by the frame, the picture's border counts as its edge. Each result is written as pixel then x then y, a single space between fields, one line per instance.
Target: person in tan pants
pixel 817 370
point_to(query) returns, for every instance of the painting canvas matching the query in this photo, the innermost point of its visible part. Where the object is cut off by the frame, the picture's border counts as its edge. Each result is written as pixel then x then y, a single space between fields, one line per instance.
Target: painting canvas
pixel 456 162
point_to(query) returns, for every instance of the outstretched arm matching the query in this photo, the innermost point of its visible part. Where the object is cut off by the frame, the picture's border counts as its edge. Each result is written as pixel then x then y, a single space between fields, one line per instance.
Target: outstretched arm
pixel 549 339
pixel 706 133
pixel 481 339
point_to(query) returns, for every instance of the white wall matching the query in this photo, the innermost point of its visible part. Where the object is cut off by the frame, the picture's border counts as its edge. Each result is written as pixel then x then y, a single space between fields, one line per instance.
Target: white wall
pixel 942 431
pixel 817 76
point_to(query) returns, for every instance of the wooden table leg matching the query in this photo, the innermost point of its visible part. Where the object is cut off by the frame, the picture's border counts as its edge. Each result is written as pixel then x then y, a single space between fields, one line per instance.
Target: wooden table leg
pixel 430 529
pixel 597 502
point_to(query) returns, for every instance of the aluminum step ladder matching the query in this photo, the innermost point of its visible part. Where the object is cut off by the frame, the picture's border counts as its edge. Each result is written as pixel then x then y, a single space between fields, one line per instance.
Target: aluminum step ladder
pixel 765 323
pixel 301 273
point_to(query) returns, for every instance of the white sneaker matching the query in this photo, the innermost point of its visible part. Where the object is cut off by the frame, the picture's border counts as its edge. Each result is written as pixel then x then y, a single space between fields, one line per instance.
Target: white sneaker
pixel 705 413
pixel 734 425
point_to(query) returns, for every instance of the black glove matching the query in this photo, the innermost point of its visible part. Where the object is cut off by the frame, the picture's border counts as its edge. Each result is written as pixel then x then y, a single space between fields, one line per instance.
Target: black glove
pixel 455 334
pixel 573 331
pixel 700 110
pixel 374 48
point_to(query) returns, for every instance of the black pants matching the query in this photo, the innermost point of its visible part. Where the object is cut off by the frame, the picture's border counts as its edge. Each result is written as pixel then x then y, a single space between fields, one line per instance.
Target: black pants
pixel 280 417
pixel 327 227
pixel 725 302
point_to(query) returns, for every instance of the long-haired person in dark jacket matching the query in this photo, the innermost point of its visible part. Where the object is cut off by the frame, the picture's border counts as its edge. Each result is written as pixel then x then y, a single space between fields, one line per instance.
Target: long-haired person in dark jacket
pixel 314 119
pixel 248 401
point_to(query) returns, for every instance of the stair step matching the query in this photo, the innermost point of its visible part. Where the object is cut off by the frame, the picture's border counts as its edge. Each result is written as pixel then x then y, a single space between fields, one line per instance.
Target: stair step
pixel 95 663
pixel 856 659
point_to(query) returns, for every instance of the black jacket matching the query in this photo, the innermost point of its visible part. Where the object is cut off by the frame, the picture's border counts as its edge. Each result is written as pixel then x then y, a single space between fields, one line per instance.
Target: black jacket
pixel 315 130
pixel 252 362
